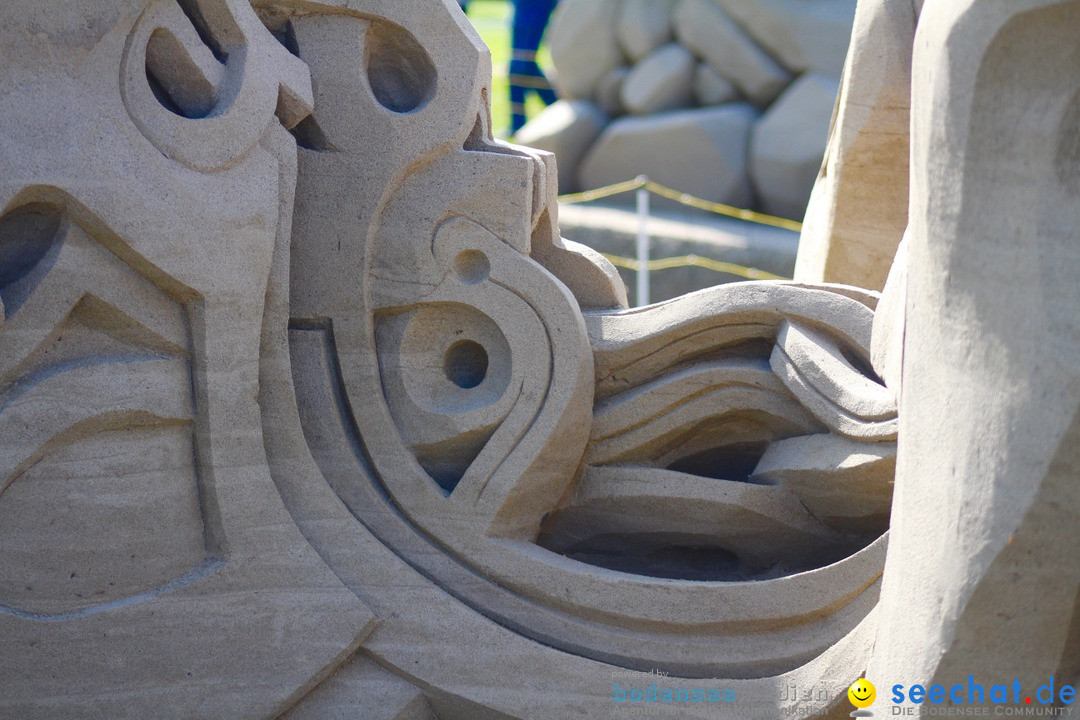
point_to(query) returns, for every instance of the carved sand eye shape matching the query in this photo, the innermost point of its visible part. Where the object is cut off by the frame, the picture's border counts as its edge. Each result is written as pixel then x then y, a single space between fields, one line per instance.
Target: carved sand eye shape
pixel 185 67
pixel 26 235
pixel 472 267
pixel 401 75
pixel 466 364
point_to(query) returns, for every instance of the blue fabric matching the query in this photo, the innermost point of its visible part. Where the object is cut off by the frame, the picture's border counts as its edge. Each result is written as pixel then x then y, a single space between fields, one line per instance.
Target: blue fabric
pixel 530 20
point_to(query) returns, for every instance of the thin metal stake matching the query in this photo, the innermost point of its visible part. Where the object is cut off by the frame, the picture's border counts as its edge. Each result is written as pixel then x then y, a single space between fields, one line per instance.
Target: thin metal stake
pixel 642 243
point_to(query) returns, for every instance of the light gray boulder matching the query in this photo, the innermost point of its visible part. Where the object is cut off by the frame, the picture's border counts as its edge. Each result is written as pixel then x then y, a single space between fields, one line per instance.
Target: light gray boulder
pixel 662 81
pixel 566 128
pixel 609 92
pixel 583 45
pixel 643 26
pixel 789 142
pixel 708 31
pixel 702 152
pixel 712 88
pixel 803 36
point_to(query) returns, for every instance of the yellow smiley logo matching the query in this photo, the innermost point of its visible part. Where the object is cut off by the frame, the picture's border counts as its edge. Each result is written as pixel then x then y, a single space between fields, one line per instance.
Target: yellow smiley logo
pixel 862 693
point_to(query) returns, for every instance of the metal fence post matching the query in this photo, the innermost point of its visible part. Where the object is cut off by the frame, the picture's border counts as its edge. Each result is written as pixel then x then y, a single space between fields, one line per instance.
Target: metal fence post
pixel 642 242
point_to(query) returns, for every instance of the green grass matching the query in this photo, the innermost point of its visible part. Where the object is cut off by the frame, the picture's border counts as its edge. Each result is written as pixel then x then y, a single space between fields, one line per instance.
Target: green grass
pixel 491 18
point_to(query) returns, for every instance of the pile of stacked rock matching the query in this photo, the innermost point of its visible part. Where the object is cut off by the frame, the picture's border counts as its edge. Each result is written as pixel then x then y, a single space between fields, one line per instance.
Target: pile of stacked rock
pixel 728 100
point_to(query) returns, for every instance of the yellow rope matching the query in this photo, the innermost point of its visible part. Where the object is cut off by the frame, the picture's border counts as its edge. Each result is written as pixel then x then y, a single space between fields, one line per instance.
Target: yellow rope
pixel 694 261
pixel 721 209
pixel 682 198
pixel 597 194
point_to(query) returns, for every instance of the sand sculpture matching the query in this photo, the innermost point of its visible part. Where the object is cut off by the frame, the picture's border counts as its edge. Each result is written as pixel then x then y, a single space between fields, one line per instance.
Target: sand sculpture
pixel 858 210
pixel 308 412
